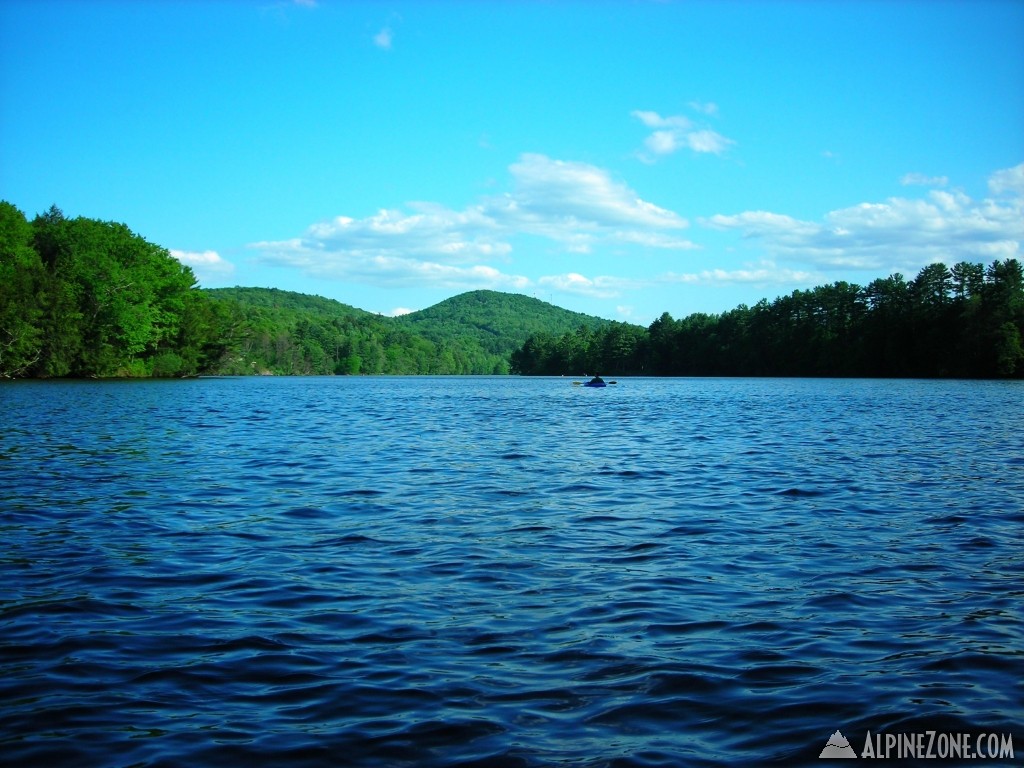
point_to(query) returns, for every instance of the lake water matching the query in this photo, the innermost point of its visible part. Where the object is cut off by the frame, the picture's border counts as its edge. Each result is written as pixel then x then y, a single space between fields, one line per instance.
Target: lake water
pixel 505 571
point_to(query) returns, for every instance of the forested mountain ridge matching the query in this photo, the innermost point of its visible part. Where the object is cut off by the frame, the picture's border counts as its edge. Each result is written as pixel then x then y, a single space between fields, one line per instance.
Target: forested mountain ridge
pixel 87 298
pixel 285 300
pixel 473 333
pixel 499 322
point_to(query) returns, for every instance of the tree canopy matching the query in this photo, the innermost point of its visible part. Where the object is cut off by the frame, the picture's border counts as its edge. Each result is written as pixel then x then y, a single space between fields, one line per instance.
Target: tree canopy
pixel 80 297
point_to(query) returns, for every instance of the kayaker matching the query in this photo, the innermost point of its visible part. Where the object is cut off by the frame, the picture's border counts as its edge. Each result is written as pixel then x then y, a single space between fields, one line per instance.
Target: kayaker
pixel 597 380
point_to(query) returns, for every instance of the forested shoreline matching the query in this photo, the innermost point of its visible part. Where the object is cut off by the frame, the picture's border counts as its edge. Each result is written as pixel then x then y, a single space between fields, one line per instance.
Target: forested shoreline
pixel 91 299
pixel 961 322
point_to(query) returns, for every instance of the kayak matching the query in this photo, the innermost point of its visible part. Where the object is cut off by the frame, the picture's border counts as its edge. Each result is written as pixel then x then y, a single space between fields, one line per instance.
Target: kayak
pixel 595 384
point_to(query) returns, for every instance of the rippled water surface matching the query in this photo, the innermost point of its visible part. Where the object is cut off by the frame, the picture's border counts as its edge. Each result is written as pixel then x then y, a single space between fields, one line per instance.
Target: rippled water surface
pixel 504 571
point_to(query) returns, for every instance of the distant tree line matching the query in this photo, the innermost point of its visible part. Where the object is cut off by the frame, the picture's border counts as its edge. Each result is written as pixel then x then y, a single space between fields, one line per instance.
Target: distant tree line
pixel 87 298
pixel 966 321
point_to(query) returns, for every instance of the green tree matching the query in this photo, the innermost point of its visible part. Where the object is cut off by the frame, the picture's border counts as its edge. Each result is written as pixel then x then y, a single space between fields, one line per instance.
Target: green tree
pixel 22 279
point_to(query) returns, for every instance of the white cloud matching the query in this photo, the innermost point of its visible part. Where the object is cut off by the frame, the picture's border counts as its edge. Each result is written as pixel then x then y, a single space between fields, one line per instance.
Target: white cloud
pixel 762 224
pixel 765 273
pixel 654 120
pixel 707 141
pixel 901 232
pixel 603 287
pixel 207 265
pixel 386 270
pixel 708 108
pixel 579 195
pixel 654 240
pixel 663 142
pixel 576 206
pixel 383 39
pixel 430 231
pixel 921 180
pixel 399 311
pixel 675 132
pixel 1010 181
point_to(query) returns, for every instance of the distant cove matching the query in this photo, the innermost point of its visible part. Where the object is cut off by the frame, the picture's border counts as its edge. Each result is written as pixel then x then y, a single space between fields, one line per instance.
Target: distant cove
pixel 81 298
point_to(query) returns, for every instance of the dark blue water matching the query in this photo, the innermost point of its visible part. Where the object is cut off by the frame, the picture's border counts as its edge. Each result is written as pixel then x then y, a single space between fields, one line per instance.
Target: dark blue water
pixel 504 571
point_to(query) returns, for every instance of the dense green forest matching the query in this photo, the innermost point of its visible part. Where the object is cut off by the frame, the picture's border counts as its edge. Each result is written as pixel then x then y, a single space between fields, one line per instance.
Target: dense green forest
pixel 86 298
pixel 473 333
pixel 965 321
pixel 80 297
pixel 498 323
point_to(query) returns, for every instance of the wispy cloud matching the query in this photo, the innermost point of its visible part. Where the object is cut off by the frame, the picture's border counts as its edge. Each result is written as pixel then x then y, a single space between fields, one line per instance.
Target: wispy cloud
pixel 764 273
pixel 601 287
pixel 1009 181
pixel 382 270
pixel 921 180
pixel 671 133
pixel 384 38
pixel 575 206
pixel 901 232
pixel 279 9
pixel 707 108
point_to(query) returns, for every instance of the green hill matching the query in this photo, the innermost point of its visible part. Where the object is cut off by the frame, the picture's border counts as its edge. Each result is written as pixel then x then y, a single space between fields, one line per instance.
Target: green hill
pixel 285 302
pixel 499 323
pixel 87 298
pixel 283 332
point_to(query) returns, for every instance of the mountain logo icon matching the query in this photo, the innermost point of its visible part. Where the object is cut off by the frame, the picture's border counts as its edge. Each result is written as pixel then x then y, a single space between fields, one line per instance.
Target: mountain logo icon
pixel 837 746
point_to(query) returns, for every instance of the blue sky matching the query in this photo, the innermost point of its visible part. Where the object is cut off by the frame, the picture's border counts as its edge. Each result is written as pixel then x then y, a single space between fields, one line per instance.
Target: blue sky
pixel 618 158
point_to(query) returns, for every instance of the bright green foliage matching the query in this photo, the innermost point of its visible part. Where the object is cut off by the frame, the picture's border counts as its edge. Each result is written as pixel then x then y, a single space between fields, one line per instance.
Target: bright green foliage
pixel 22 281
pixel 488 325
pixel 80 297
pixel 610 348
pixel 291 333
pixel 967 321
pixel 118 301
